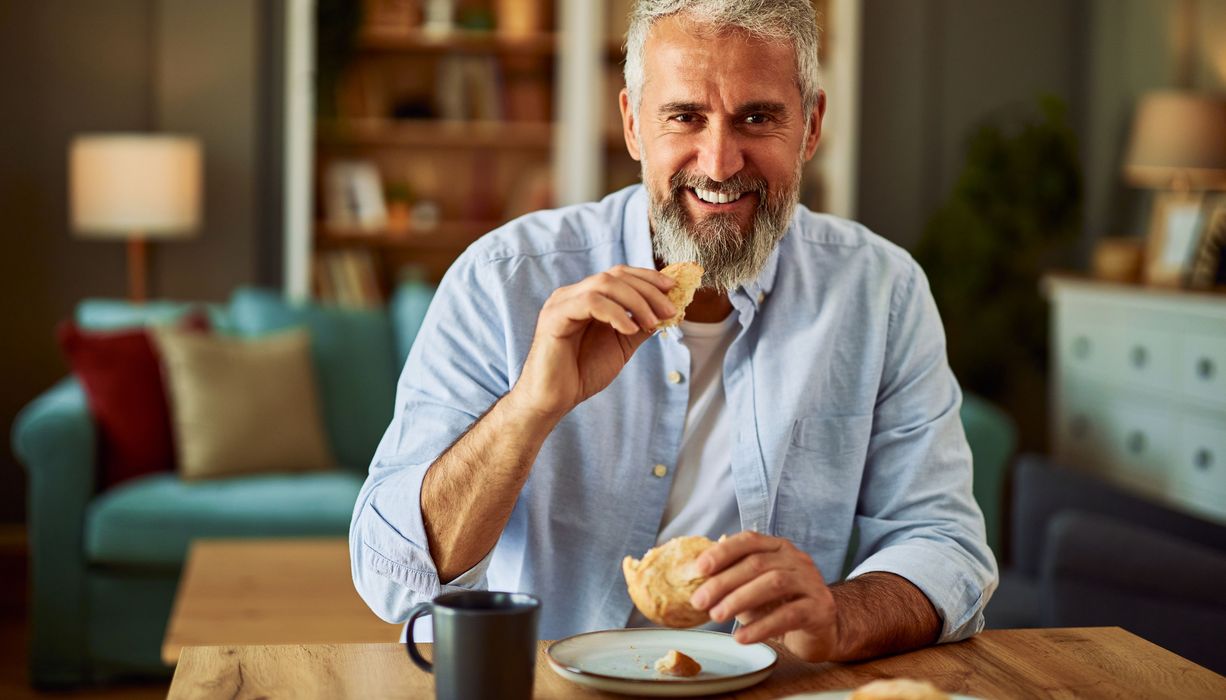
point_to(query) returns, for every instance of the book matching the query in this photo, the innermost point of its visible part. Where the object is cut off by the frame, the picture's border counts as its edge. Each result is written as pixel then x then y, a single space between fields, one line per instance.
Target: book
pixel 353 197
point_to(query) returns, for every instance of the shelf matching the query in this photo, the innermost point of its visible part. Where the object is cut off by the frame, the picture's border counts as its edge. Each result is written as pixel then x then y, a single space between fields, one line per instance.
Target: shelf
pixel 447 236
pixel 464 41
pixel 472 41
pixel 424 133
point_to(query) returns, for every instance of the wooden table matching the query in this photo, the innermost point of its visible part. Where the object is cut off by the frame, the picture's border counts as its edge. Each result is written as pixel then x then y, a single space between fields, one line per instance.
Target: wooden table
pixel 1095 662
pixel 277 591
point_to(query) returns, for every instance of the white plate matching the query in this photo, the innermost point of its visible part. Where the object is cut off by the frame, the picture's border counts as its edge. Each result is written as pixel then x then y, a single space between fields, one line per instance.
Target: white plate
pixel 844 694
pixel 623 661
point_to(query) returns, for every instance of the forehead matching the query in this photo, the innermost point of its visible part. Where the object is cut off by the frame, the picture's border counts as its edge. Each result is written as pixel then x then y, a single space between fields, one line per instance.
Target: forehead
pixel 684 59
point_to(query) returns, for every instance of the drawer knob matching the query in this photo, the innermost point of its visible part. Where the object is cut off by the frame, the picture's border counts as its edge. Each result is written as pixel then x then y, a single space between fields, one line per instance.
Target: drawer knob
pixel 1204 459
pixel 1140 356
pixel 1204 368
pixel 1081 347
pixel 1136 442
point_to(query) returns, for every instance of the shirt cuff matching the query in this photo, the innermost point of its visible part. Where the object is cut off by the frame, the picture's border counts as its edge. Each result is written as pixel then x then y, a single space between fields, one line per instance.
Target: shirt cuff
pixel 948 582
pixel 397 551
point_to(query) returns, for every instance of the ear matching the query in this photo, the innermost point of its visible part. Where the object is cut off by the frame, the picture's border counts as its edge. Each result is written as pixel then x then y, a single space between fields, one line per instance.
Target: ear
pixel 632 144
pixel 813 134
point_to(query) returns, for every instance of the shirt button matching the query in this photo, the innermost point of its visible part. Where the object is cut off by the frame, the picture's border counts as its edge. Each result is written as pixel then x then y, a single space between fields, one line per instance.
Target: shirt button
pixel 660 471
pixel 761 297
pixel 674 377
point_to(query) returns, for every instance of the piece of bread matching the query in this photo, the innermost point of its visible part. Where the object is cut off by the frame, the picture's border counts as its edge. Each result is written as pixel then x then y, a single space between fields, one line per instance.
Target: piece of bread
pixel 898 689
pixel 661 583
pixel 688 276
pixel 674 663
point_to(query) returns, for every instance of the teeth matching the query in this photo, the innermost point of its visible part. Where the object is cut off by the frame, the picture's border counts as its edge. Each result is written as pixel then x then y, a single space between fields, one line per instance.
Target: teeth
pixel 716 197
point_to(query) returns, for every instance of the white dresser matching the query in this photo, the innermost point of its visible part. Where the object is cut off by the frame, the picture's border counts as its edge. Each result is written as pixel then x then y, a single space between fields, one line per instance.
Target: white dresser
pixel 1138 389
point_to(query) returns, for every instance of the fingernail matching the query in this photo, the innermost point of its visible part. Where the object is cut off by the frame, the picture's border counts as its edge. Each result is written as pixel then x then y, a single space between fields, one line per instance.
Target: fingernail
pixel 717 613
pixel 699 600
pixel 670 310
pixel 704 566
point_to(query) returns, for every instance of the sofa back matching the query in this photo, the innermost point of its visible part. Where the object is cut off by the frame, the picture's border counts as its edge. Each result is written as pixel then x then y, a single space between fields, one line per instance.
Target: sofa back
pixel 357 354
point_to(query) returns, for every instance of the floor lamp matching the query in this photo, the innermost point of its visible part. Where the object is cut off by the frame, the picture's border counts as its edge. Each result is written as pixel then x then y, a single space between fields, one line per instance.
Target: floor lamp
pixel 135 187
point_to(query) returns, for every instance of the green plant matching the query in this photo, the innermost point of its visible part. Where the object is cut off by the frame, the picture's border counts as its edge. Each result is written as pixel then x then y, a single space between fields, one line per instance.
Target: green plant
pixel 1012 213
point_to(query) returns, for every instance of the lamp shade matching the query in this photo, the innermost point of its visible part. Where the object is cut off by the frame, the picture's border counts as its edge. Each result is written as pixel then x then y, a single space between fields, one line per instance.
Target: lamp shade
pixel 126 185
pixel 1178 138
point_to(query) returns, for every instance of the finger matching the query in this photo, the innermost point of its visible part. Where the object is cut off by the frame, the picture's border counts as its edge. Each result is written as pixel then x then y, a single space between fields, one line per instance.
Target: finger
pixel 620 291
pixel 717 587
pixel 766 589
pixel 800 614
pixel 656 278
pixel 592 305
pixel 660 305
pixel 732 549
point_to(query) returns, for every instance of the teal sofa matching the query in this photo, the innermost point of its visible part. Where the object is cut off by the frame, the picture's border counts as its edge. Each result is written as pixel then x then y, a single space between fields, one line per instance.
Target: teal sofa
pixel 105 565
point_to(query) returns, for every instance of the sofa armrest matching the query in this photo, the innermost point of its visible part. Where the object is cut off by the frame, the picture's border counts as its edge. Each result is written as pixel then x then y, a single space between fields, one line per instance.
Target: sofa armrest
pixel 1043 489
pixel 55 439
pixel 1122 555
pixel 1098 570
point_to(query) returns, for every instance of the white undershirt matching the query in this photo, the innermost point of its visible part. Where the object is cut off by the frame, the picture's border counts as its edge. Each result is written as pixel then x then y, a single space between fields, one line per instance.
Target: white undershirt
pixel 702 500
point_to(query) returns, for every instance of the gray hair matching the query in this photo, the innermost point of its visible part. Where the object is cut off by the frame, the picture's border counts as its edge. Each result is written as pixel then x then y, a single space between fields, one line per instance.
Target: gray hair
pixel 786 20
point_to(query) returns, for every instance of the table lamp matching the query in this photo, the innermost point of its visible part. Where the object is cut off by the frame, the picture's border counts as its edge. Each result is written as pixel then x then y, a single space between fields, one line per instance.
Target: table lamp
pixel 135 187
pixel 1178 142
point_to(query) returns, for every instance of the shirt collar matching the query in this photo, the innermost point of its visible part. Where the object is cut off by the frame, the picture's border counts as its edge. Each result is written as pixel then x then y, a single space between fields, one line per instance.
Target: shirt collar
pixel 637 241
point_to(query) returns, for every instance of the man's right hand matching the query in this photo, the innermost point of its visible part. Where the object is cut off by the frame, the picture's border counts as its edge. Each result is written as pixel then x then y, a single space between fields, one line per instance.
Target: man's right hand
pixel 585 335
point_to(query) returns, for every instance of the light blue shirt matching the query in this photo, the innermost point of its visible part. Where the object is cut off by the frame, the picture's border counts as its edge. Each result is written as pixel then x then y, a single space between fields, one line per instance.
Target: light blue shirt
pixel 845 410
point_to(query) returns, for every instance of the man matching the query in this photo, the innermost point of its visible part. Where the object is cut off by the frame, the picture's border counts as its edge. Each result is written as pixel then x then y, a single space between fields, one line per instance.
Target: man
pixel 542 431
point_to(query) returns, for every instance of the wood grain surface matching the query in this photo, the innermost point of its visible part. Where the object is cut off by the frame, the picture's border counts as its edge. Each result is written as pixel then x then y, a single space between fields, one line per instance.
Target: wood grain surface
pixel 1099 662
pixel 282 591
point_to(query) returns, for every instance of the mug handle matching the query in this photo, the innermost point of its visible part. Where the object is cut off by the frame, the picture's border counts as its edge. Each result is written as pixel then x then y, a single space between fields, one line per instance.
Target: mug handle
pixel 418 610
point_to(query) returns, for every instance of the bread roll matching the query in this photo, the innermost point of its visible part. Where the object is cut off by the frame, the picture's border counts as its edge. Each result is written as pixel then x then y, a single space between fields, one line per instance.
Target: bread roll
pixel 661 583
pixel 898 689
pixel 688 276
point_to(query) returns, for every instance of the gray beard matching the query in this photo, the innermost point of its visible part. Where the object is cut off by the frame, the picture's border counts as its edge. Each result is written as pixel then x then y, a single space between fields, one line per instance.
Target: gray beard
pixel 730 256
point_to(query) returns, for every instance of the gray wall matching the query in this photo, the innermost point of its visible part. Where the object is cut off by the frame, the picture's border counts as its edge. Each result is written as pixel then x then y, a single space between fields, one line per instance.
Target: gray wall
pixel 932 69
pixel 68 66
pixel 1133 49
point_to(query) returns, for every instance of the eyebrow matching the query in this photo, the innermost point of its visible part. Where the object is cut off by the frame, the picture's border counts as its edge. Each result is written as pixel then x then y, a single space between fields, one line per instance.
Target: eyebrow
pixel 767 107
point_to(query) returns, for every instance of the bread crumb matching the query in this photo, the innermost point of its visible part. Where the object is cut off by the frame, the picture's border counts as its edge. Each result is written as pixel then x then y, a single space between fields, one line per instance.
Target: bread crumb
pixel 674 663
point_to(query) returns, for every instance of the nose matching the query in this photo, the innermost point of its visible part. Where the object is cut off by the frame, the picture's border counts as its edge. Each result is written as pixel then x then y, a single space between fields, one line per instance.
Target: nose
pixel 720 156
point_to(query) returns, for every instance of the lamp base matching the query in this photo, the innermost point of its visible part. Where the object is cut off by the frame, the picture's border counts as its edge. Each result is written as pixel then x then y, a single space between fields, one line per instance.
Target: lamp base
pixel 137 281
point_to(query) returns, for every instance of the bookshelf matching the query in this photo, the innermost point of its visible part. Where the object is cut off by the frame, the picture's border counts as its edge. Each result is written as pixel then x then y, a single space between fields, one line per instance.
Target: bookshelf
pixel 435 130
pixel 508 108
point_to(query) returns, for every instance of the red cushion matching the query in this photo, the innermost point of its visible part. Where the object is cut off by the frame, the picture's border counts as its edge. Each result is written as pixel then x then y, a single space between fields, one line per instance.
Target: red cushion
pixel 122 378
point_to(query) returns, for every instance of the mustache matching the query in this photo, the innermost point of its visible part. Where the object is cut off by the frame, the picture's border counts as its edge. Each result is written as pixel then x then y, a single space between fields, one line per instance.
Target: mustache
pixel 737 183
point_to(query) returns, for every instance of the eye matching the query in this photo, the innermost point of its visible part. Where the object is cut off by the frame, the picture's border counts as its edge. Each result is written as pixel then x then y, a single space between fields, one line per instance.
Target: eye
pixel 757 118
pixel 682 118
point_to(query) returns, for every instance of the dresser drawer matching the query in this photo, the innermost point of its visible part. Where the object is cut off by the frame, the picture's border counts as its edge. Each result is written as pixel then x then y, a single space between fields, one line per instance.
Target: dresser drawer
pixel 1085 349
pixel 1143 358
pixel 1201 467
pixel 1143 442
pixel 1202 368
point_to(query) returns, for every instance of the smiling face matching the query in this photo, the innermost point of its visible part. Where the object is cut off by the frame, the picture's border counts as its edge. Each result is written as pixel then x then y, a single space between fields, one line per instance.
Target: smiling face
pixel 722 136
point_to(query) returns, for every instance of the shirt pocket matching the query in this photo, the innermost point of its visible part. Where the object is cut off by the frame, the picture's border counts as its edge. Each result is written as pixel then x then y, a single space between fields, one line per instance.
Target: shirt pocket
pixel 819 485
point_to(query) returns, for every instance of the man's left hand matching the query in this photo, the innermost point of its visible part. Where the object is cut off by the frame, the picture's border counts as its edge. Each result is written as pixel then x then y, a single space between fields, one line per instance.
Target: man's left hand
pixel 774 590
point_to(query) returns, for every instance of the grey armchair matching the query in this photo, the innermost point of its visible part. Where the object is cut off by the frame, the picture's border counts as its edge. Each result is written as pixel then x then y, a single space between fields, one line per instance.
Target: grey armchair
pixel 1086 553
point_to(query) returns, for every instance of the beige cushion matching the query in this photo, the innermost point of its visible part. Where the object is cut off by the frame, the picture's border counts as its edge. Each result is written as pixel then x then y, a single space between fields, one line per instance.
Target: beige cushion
pixel 242 406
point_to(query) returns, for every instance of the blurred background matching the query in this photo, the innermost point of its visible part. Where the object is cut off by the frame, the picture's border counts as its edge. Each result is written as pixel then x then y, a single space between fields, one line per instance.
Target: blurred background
pixel 1055 165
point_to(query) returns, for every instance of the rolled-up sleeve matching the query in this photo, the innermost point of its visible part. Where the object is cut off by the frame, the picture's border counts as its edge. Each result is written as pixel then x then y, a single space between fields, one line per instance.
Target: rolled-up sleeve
pixel 916 515
pixel 455 371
